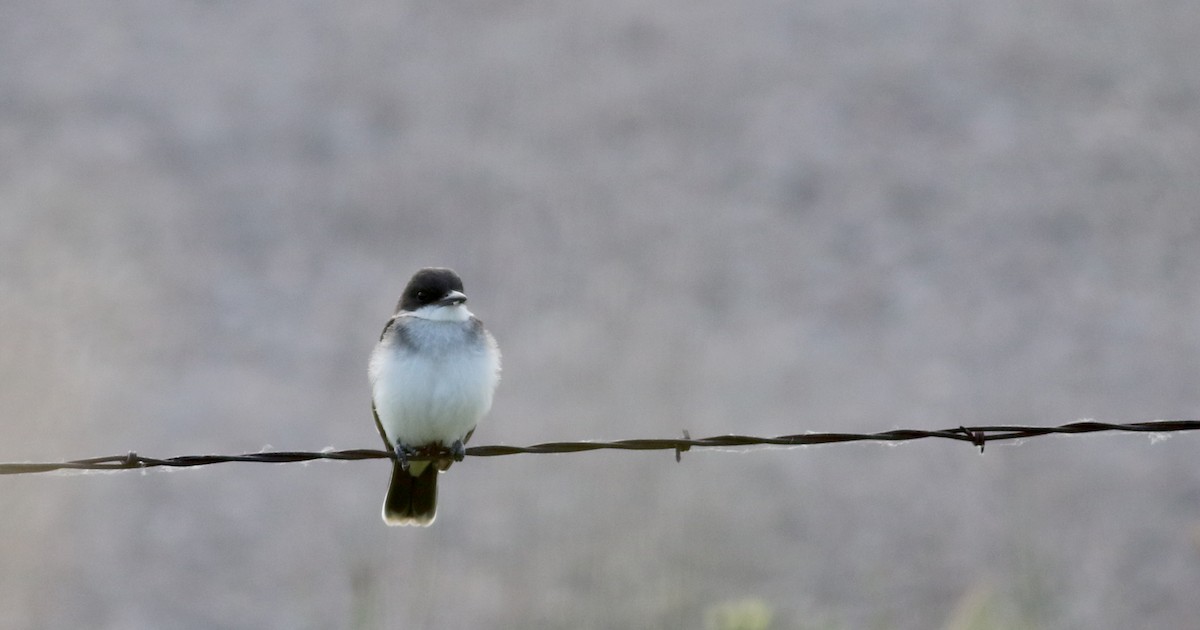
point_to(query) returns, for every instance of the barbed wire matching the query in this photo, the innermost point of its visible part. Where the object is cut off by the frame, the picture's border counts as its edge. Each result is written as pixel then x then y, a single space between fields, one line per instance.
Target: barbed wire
pixel 977 436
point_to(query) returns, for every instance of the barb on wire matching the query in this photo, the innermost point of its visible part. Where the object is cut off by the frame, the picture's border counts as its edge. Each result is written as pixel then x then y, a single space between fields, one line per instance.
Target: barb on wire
pixel 977 436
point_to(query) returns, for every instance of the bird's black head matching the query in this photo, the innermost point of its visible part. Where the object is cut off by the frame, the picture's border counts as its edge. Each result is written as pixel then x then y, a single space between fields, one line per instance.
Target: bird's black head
pixel 430 286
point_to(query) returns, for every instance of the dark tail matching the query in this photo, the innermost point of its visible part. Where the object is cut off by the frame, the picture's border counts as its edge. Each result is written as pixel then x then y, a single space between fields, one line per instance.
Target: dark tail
pixel 411 499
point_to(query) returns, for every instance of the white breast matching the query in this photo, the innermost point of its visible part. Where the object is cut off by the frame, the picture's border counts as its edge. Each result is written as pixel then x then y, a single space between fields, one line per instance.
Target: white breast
pixel 436 395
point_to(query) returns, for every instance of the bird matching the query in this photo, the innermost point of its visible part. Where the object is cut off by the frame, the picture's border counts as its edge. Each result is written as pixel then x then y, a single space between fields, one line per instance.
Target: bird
pixel 433 374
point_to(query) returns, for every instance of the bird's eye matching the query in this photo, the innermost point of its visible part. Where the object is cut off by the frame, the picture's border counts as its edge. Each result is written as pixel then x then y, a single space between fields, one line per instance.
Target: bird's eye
pixel 422 296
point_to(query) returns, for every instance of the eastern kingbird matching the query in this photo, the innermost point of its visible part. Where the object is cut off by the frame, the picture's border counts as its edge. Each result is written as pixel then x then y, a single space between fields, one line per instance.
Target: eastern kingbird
pixel 432 375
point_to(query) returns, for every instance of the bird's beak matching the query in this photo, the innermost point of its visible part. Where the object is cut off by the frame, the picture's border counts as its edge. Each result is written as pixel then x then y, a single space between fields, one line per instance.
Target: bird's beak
pixel 453 298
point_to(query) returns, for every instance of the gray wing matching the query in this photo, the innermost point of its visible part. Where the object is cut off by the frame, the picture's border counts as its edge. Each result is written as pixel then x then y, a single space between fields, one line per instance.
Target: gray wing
pixel 378 424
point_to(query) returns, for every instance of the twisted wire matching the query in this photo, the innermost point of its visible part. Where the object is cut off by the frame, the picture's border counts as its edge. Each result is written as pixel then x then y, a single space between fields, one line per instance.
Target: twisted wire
pixel 977 436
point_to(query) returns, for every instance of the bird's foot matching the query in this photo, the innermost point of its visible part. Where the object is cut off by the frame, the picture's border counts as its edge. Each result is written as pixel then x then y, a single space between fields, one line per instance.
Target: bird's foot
pixel 458 450
pixel 403 452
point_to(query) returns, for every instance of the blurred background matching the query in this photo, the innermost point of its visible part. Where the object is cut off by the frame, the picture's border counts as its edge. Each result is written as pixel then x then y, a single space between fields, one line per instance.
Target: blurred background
pixel 760 217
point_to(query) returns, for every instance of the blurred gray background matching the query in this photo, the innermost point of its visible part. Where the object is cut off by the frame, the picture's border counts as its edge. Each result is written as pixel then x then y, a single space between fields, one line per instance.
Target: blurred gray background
pixel 759 217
